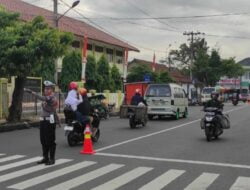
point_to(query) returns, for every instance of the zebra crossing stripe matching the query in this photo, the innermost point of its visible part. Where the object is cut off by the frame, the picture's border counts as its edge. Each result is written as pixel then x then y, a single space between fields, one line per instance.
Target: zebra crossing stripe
pixel 123 179
pixel 2 154
pixel 9 158
pixel 86 177
pixel 29 170
pixel 202 182
pixel 163 180
pixel 16 164
pixel 242 183
pixel 49 176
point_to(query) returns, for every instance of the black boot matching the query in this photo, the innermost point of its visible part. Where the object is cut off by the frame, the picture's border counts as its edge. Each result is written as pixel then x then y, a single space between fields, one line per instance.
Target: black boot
pixel 52 152
pixel 45 155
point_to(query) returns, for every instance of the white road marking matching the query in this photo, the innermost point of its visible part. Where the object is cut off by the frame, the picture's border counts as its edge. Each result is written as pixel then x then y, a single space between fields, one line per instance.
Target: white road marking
pixel 145 136
pixel 242 183
pixel 123 179
pixel 202 182
pixel 176 160
pixel 30 170
pixel 20 163
pixel 2 154
pixel 86 177
pixel 9 158
pixel 159 132
pixel 163 180
pixel 49 176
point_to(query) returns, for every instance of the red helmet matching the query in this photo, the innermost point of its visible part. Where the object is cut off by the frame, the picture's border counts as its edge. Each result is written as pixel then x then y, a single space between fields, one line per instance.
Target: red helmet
pixel 73 85
pixel 83 91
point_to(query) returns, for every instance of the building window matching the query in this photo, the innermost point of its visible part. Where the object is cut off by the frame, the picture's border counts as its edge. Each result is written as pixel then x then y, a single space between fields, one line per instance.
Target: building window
pixel 119 57
pixel 89 47
pixel 76 44
pixel 99 49
pixel 119 53
pixel 110 55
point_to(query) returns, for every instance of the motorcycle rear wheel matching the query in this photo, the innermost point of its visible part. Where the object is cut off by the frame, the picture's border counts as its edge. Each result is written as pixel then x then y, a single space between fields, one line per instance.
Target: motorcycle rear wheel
pixel 72 140
pixel 132 123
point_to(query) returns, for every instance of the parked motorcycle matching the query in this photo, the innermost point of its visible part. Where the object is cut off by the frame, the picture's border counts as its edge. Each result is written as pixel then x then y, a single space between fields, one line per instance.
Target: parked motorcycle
pixel 213 123
pixel 74 130
pixel 235 99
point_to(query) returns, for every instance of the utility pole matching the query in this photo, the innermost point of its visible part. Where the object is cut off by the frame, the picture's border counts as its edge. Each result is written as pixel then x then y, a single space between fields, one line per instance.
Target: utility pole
pixel 191 34
pixel 56 13
pixel 56 26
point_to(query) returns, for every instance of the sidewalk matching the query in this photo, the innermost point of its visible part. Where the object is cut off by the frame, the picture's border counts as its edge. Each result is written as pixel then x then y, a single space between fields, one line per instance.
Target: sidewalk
pixel 27 122
pixel 30 121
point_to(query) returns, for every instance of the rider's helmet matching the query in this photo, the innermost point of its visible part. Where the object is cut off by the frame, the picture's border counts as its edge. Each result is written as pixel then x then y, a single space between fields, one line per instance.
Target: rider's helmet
pixel 215 95
pixel 83 91
pixel 73 85
pixel 137 91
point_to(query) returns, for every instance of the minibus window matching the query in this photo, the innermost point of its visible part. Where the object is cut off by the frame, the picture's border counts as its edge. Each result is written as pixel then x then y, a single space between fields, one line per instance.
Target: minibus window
pixel 158 91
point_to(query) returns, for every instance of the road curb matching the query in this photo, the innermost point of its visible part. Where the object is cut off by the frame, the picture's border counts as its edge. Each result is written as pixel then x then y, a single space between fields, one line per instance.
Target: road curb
pixel 6 127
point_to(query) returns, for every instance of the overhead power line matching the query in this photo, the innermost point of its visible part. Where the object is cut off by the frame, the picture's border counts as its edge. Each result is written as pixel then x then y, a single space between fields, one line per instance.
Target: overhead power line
pixel 149 15
pixel 108 32
pixel 176 17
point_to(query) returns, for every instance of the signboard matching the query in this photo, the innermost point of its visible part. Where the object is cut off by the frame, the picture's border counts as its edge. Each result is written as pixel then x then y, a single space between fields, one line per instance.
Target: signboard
pixel 147 78
pixel 229 81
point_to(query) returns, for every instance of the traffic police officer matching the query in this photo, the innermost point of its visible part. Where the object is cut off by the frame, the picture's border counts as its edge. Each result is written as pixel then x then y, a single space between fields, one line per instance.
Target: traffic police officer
pixel 47 122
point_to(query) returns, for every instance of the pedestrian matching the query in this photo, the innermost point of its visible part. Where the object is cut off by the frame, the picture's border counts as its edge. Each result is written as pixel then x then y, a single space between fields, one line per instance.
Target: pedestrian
pixel 47 122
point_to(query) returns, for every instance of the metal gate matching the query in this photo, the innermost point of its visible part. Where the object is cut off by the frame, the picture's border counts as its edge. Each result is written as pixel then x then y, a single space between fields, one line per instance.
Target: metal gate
pixel 4 98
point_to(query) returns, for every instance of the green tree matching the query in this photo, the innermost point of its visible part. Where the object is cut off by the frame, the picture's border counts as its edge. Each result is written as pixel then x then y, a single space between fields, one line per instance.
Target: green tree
pixel 187 52
pixel 92 76
pixel 46 70
pixel 231 69
pixel 116 78
pixel 71 69
pixel 215 68
pixel 164 77
pixel 138 72
pixel 23 46
pixel 201 67
pixel 103 70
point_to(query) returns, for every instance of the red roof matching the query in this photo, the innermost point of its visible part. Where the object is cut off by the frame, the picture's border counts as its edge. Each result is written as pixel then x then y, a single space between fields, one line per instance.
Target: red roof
pixel 79 28
pixel 174 72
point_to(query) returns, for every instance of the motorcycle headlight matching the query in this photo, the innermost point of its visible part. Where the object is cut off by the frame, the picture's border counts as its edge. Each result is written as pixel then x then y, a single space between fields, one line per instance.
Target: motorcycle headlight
pixel 209 119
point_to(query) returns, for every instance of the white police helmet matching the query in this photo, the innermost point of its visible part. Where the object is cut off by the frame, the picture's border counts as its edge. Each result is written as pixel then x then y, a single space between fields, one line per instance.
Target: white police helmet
pixel 47 83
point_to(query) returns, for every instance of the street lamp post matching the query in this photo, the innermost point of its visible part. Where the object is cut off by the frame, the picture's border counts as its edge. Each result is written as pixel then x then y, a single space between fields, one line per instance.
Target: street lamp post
pixel 56 23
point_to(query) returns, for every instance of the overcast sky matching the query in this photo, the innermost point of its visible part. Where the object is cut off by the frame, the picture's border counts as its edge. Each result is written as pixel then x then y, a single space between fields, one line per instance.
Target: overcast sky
pixel 153 35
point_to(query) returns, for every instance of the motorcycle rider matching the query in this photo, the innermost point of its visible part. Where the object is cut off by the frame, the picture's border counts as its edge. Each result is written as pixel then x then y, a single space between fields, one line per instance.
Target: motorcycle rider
pixel 137 98
pixel 73 98
pixel 214 102
pixel 84 110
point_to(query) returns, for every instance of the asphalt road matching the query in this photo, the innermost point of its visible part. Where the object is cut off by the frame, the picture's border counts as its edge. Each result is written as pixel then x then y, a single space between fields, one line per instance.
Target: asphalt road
pixel 166 154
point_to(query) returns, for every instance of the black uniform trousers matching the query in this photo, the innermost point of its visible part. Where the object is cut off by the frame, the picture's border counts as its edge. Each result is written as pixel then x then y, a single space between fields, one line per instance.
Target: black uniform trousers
pixel 47 138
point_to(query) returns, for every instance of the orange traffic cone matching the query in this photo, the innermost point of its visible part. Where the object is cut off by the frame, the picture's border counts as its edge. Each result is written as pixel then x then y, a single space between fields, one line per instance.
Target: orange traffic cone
pixel 87 143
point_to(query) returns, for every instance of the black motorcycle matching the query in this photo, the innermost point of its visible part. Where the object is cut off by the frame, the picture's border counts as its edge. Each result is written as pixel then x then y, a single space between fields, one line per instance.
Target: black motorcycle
pixel 212 123
pixel 74 130
pixel 137 116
